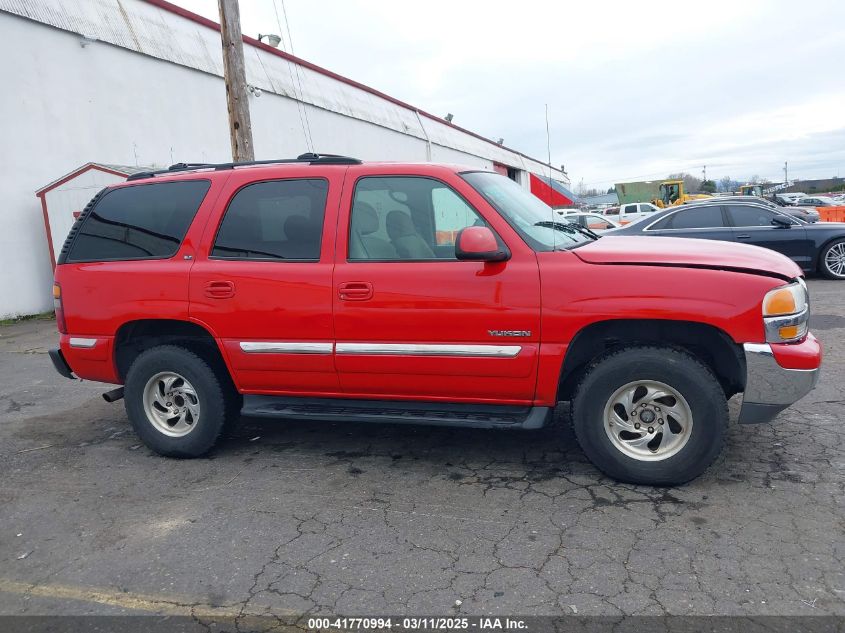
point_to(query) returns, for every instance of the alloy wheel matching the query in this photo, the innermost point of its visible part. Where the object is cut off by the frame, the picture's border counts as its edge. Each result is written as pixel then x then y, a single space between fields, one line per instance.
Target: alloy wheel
pixel 834 259
pixel 171 404
pixel 647 420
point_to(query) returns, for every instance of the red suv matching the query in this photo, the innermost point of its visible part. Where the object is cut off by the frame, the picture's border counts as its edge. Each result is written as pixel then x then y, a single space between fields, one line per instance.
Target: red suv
pixel 326 288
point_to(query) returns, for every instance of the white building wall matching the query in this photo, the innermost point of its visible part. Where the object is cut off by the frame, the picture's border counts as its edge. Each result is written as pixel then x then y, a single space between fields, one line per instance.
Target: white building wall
pixel 71 105
pixel 148 91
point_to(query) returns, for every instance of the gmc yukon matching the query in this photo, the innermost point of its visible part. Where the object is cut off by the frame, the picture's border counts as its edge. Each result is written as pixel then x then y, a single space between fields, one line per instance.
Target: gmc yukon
pixel 330 289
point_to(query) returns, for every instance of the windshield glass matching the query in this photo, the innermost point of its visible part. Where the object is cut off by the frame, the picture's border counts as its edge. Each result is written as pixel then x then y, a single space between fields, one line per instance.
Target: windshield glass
pixel 541 227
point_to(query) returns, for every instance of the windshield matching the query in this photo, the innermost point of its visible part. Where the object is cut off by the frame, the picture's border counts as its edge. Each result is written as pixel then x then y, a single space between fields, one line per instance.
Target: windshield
pixel 532 218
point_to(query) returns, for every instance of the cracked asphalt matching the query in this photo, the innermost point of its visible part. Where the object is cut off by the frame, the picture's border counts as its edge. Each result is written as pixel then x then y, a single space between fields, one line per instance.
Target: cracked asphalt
pixel 293 517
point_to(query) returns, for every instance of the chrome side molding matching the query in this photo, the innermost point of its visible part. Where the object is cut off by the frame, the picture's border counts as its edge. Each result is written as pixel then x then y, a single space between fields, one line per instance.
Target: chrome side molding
pixel 279 347
pixel 380 349
pixel 405 349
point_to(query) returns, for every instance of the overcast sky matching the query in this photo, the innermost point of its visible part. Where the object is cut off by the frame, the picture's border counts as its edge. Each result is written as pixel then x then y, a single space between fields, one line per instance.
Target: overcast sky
pixel 635 90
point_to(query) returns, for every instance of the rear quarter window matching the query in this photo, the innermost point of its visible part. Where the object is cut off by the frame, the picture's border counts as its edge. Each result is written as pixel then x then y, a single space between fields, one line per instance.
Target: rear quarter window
pixel 137 222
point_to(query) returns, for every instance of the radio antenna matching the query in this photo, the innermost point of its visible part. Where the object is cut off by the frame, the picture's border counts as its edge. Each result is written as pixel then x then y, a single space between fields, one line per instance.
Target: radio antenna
pixel 549 152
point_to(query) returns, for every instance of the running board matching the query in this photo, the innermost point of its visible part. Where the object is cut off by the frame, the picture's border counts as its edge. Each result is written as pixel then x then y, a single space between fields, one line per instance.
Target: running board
pixel 397 412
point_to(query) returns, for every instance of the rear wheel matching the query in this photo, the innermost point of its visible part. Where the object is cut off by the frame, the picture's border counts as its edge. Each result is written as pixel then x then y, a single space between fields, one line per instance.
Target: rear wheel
pixel 650 415
pixel 832 260
pixel 176 402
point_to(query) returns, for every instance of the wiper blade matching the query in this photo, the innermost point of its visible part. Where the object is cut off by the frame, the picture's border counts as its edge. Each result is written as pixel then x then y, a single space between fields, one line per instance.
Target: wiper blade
pixel 587 231
pixel 568 227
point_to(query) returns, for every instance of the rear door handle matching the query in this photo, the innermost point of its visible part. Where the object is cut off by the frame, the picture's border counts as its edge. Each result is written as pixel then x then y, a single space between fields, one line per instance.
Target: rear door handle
pixel 355 291
pixel 219 289
pixel 743 236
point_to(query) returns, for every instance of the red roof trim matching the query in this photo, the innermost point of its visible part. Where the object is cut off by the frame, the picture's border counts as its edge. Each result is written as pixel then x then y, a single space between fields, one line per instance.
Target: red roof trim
pixel 168 6
pixel 76 172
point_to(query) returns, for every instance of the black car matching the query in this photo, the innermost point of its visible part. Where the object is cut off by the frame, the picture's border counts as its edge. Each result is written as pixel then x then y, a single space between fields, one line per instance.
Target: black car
pixel 818 247
pixel 808 214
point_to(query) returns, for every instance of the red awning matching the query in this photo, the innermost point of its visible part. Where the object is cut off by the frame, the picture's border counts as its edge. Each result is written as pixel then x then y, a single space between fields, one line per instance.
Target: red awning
pixel 551 192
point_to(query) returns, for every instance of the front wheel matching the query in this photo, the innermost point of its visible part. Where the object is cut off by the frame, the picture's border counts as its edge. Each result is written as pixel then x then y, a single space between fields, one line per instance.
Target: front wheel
pixel 176 402
pixel 832 260
pixel 650 415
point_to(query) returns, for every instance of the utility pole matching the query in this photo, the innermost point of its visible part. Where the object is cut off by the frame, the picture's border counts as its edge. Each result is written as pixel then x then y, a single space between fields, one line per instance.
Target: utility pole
pixel 240 127
pixel 785 173
pixel 704 173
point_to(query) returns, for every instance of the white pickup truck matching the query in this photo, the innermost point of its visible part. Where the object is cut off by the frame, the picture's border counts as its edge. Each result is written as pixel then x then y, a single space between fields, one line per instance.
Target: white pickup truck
pixel 631 212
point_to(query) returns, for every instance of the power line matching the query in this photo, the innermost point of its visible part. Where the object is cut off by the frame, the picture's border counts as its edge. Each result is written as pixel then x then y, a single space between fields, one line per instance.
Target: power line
pixel 298 72
pixel 300 105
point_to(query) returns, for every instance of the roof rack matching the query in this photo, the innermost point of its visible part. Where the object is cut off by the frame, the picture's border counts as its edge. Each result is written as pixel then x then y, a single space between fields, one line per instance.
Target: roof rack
pixel 310 158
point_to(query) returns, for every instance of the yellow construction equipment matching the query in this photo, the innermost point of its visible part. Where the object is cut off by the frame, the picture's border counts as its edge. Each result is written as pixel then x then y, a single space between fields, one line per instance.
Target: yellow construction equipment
pixel 672 193
pixel 751 190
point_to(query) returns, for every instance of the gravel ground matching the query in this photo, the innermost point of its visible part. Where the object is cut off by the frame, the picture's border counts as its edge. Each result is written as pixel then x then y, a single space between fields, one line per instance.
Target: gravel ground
pixel 286 518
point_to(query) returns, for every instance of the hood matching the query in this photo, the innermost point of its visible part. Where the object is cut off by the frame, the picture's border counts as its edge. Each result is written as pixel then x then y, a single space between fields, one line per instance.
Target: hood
pixel 686 252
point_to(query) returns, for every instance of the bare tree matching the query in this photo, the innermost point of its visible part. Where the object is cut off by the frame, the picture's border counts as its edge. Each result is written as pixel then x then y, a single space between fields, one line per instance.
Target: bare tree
pixel 726 184
pixel 691 183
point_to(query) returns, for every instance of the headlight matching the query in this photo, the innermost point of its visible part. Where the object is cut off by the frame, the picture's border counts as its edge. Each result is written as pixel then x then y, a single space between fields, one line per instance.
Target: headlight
pixel 786 313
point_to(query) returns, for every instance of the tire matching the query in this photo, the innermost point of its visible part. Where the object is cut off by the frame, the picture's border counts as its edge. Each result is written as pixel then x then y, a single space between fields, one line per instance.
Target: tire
pixel 634 378
pixel 835 268
pixel 233 399
pixel 176 402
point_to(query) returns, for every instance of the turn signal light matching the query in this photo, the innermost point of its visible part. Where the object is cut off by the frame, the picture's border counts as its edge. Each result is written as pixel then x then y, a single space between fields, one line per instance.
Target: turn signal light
pixel 789 332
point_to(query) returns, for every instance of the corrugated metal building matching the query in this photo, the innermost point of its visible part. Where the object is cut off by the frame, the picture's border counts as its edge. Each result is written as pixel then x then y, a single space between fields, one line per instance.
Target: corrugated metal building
pixel 139 82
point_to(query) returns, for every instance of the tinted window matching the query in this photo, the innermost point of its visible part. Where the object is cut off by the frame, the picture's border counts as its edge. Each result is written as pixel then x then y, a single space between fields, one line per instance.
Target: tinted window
pixel 695 218
pixel 750 216
pixel 629 208
pixel 401 218
pixel 276 220
pixel 596 222
pixel 138 222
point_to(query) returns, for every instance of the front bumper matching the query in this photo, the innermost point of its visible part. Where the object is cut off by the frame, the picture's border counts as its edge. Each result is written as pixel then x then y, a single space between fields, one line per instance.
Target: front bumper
pixel 770 387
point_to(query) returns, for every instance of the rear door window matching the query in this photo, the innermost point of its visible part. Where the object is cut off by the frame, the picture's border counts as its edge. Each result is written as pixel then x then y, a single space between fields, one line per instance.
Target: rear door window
pixel 695 218
pixel 274 220
pixel 138 222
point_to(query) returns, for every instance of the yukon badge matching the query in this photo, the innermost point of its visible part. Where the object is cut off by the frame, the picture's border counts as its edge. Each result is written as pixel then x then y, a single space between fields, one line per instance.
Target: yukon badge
pixel 509 332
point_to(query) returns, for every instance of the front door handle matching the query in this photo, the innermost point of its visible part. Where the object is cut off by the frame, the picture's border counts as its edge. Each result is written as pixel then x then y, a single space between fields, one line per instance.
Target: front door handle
pixel 743 236
pixel 355 291
pixel 219 289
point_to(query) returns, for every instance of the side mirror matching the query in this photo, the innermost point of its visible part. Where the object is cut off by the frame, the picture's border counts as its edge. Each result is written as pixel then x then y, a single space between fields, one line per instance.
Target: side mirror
pixel 781 222
pixel 479 243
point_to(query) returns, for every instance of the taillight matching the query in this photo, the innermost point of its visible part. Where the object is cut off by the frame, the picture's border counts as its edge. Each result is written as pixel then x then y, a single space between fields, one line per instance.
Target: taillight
pixel 57 306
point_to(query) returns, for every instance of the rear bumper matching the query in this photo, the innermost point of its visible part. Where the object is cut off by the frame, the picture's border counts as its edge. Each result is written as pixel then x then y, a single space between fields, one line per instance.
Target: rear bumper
pixel 770 386
pixel 60 363
pixel 89 357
